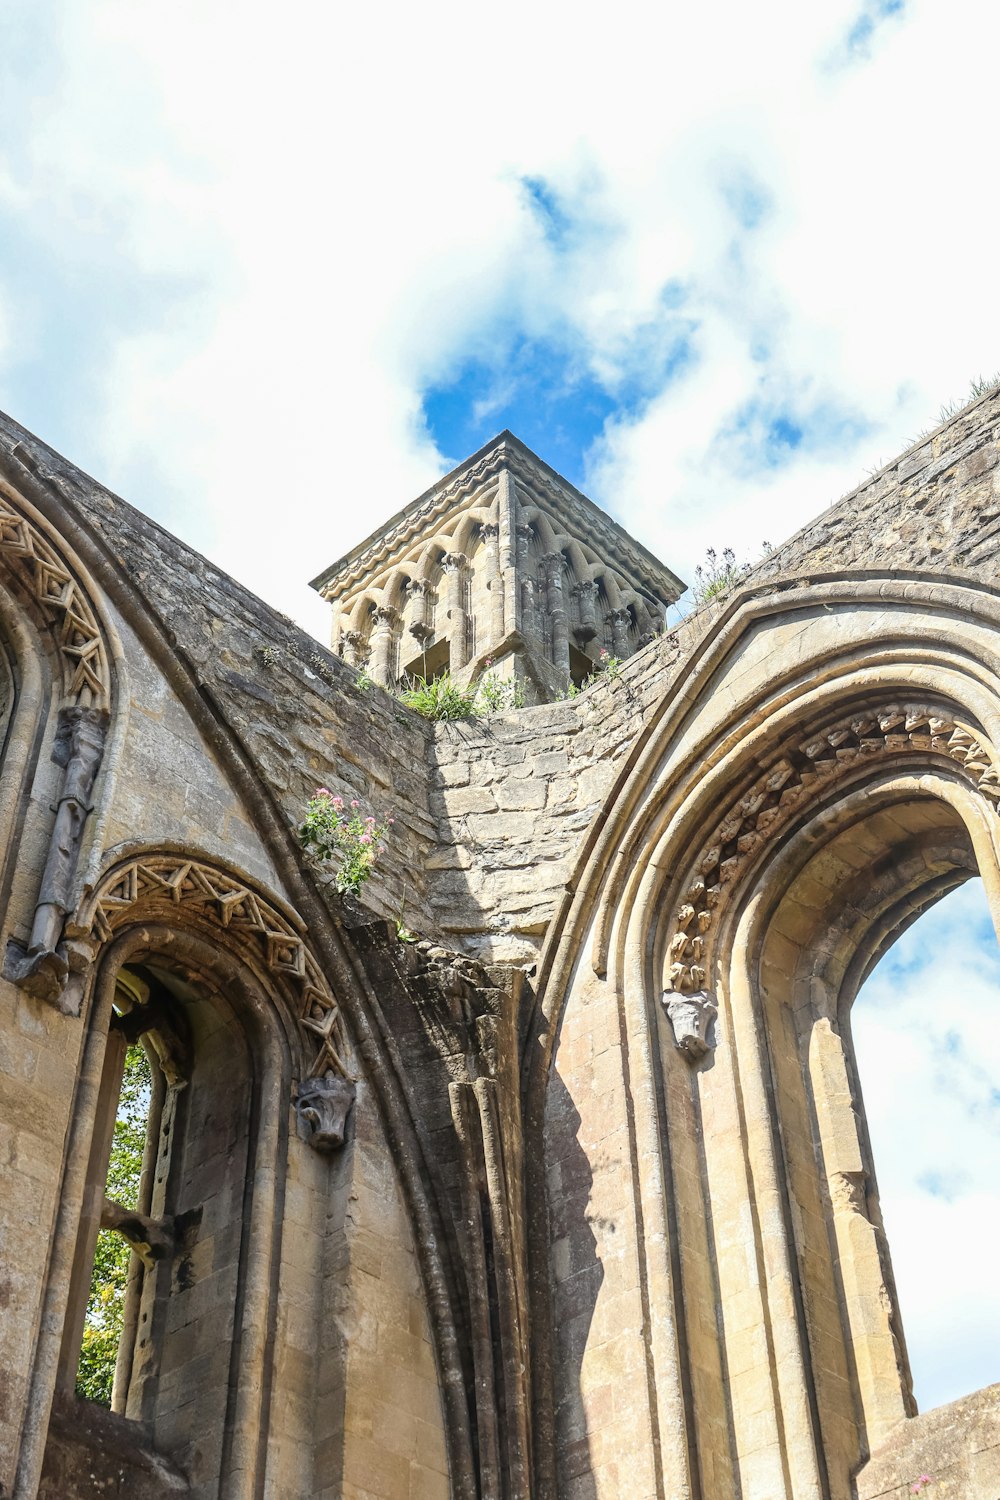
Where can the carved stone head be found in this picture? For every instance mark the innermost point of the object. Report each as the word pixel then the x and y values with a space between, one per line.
pixel 691 1017
pixel 322 1105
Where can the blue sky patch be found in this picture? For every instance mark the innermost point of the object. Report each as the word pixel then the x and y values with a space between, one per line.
pixel 748 201
pixel 871 18
pixel 556 410
pixel 551 398
pixel 548 210
pixel 765 434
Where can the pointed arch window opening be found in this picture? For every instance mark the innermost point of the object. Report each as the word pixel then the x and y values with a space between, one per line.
pixel 125 1235
pixel 925 1029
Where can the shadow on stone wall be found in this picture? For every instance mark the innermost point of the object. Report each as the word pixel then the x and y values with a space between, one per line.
pixel 577 1278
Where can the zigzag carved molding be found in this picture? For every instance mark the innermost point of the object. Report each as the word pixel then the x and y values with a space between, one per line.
pixel 784 787
pixel 166 882
pixel 48 577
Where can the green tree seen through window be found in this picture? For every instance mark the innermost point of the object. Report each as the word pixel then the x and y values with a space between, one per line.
pixel 102 1329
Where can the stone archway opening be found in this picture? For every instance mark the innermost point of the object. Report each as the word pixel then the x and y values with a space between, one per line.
pixel 838 893
pixel 930 1008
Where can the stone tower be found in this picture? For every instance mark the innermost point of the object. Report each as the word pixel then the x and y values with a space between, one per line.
pixel 503 561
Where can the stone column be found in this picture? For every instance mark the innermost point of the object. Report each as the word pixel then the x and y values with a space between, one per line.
pixel 491 540
pixel 455 564
pixel 355 650
pixel 621 622
pixel 418 613
pixel 553 563
pixel 382 665
pixel 510 550
pixel 78 748
pixel 527 611
pixel 585 595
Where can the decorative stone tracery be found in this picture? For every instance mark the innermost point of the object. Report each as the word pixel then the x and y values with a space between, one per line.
pixel 228 902
pixel 45 572
pixel 784 785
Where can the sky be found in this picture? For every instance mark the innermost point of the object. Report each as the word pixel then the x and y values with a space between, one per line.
pixel 268 272
pixel 926 1028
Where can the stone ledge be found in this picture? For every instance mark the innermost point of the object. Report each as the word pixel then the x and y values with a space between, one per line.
pixel 957 1445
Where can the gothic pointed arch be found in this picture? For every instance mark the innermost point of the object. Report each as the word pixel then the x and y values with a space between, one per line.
pixel 167 885
pixel 61 593
pixel 784 814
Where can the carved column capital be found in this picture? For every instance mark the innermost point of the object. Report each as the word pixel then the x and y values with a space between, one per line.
pixel 454 562
pixel 584 590
pixel 355 648
pixel 384 614
pixel 490 532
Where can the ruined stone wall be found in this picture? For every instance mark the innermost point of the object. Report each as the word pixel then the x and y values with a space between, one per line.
pixel 513 799
pixel 657 1174
pixel 937 506
pixel 199 669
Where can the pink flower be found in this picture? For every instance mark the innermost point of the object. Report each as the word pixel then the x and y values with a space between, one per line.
pixel 603 653
pixel 366 838
pixel 321 791
pixel 370 822
pixel 380 849
pixel 390 820
pixel 355 804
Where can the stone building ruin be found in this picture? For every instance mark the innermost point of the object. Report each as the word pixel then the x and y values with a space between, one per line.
pixel 571 1197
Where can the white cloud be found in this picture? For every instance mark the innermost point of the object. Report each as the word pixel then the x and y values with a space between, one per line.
pixel 327 206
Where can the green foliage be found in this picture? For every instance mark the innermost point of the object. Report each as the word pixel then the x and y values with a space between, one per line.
pixel 439 698
pixel 102 1327
pixel 717 575
pixel 496 694
pixel 606 667
pixel 403 933
pixel 339 834
pixel 363 682
pixel 980 387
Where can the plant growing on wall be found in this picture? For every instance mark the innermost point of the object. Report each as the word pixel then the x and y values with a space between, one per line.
pixel 606 667
pixel 717 574
pixel 335 832
pixel 102 1329
pixel 439 697
pixel 497 695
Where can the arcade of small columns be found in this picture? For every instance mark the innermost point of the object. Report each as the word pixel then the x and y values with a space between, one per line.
pixel 500 568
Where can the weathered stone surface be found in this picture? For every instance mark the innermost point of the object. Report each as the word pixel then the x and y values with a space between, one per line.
pixel 558 1249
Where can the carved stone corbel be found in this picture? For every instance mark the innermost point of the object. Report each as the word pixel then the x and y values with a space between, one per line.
pixel 151 1239
pixel 79 745
pixel 322 1106
pixel 691 1017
